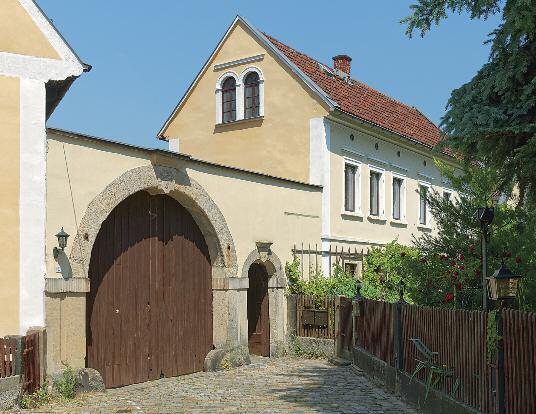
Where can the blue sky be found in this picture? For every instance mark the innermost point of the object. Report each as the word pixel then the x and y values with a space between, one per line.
pixel 145 53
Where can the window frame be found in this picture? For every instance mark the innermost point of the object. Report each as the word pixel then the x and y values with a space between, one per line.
pixel 402 218
pixel 357 188
pixel 427 223
pixel 381 193
pixel 223 92
pixel 255 99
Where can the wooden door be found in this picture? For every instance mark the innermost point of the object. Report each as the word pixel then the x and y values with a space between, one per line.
pixel 149 311
pixel 258 311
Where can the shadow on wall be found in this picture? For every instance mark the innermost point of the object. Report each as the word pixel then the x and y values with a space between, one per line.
pixel 65 265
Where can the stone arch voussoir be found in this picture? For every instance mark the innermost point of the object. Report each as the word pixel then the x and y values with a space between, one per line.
pixel 157 180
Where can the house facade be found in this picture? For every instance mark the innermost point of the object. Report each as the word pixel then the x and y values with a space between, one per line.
pixel 177 256
pixel 36 69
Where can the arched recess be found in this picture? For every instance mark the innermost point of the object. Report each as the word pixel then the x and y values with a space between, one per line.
pixel 277 282
pixel 158 180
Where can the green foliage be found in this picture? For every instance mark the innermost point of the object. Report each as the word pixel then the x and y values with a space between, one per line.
pixel 491 337
pixel 39 398
pixel 492 118
pixel 457 241
pixel 318 286
pixel 66 385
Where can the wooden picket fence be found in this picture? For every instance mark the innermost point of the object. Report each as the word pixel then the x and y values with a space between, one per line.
pixel 8 357
pixel 519 335
pixel 22 356
pixel 461 341
pixel 313 320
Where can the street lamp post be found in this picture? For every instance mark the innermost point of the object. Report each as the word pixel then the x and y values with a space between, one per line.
pixel 485 216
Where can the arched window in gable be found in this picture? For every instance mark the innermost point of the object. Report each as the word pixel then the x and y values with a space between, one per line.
pixel 251 95
pixel 228 106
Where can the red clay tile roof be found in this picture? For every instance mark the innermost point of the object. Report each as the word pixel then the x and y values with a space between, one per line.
pixel 364 102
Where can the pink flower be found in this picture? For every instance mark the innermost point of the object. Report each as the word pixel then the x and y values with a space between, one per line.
pixel 462 257
pixel 458 286
pixel 462 267
pixel 455 275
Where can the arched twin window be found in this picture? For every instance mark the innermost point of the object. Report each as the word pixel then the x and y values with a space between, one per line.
pixel 239 98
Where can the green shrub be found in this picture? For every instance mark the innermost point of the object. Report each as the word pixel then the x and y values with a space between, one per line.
pixel 37 399
pixel 66 385
pixel 318 286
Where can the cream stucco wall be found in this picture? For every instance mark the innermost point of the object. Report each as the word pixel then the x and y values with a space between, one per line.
pixel 255 208
pixel 278 144
pixel 9 206
pixel 363 230
pixel 19 34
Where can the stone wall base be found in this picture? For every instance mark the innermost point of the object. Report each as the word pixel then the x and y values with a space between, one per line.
pixel 302 346
pixel 411 391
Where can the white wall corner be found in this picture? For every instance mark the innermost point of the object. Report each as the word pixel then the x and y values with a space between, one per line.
pixel 32 214
pixel 173 144
pixel 317 138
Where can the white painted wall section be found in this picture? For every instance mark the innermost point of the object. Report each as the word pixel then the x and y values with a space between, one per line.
pixel 32 203
pixel 174 144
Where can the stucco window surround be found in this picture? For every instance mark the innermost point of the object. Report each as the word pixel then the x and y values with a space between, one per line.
pixel 381 194
pixel 243 75
pixel 219 97
pixel 239 79
pixel 423 210
pixel 277 283
pixel 357 211
pixel 402 198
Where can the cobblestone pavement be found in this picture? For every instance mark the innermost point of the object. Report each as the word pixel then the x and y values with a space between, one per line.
pixel 281 385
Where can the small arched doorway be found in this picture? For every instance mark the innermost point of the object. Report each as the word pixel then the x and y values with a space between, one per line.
pixel 149 310
pixel 258 311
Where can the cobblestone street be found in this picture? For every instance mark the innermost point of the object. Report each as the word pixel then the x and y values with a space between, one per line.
pixel 281 385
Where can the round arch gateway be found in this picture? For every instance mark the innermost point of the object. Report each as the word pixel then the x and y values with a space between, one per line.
pixel 149 311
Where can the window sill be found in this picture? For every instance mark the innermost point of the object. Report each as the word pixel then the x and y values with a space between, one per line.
pixel 424 227
pixel 377 219
pixel 401 223
pixel 353 214
pixel 240 121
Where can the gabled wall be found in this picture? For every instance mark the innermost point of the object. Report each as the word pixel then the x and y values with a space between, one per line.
pixel 278 144
pixel 19 34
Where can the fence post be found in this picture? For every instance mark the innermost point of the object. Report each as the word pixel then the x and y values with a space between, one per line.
pixel 399 345
pixel 338 342
pixel 501 394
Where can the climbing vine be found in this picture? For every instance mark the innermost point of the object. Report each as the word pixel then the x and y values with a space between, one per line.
pixel 492 338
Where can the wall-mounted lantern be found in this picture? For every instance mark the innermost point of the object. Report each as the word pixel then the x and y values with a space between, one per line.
pixel 62 237
pixel 503 284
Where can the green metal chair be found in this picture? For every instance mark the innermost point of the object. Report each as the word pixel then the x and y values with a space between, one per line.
pixel 427 359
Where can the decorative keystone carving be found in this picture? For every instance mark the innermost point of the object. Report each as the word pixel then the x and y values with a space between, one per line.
pixel 263 247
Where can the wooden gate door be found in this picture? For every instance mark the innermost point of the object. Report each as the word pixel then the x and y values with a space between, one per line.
pixel 149 311
pixel 258 311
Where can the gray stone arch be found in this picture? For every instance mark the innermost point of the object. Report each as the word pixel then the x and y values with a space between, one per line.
pixel 277 283
pixel 157 180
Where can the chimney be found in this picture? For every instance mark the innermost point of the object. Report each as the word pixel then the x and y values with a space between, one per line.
pixel 342 63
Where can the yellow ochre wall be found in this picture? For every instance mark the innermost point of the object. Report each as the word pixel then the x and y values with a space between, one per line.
pixel 20 35
pixel 9 207
pixel 277 145
pixel 256 208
